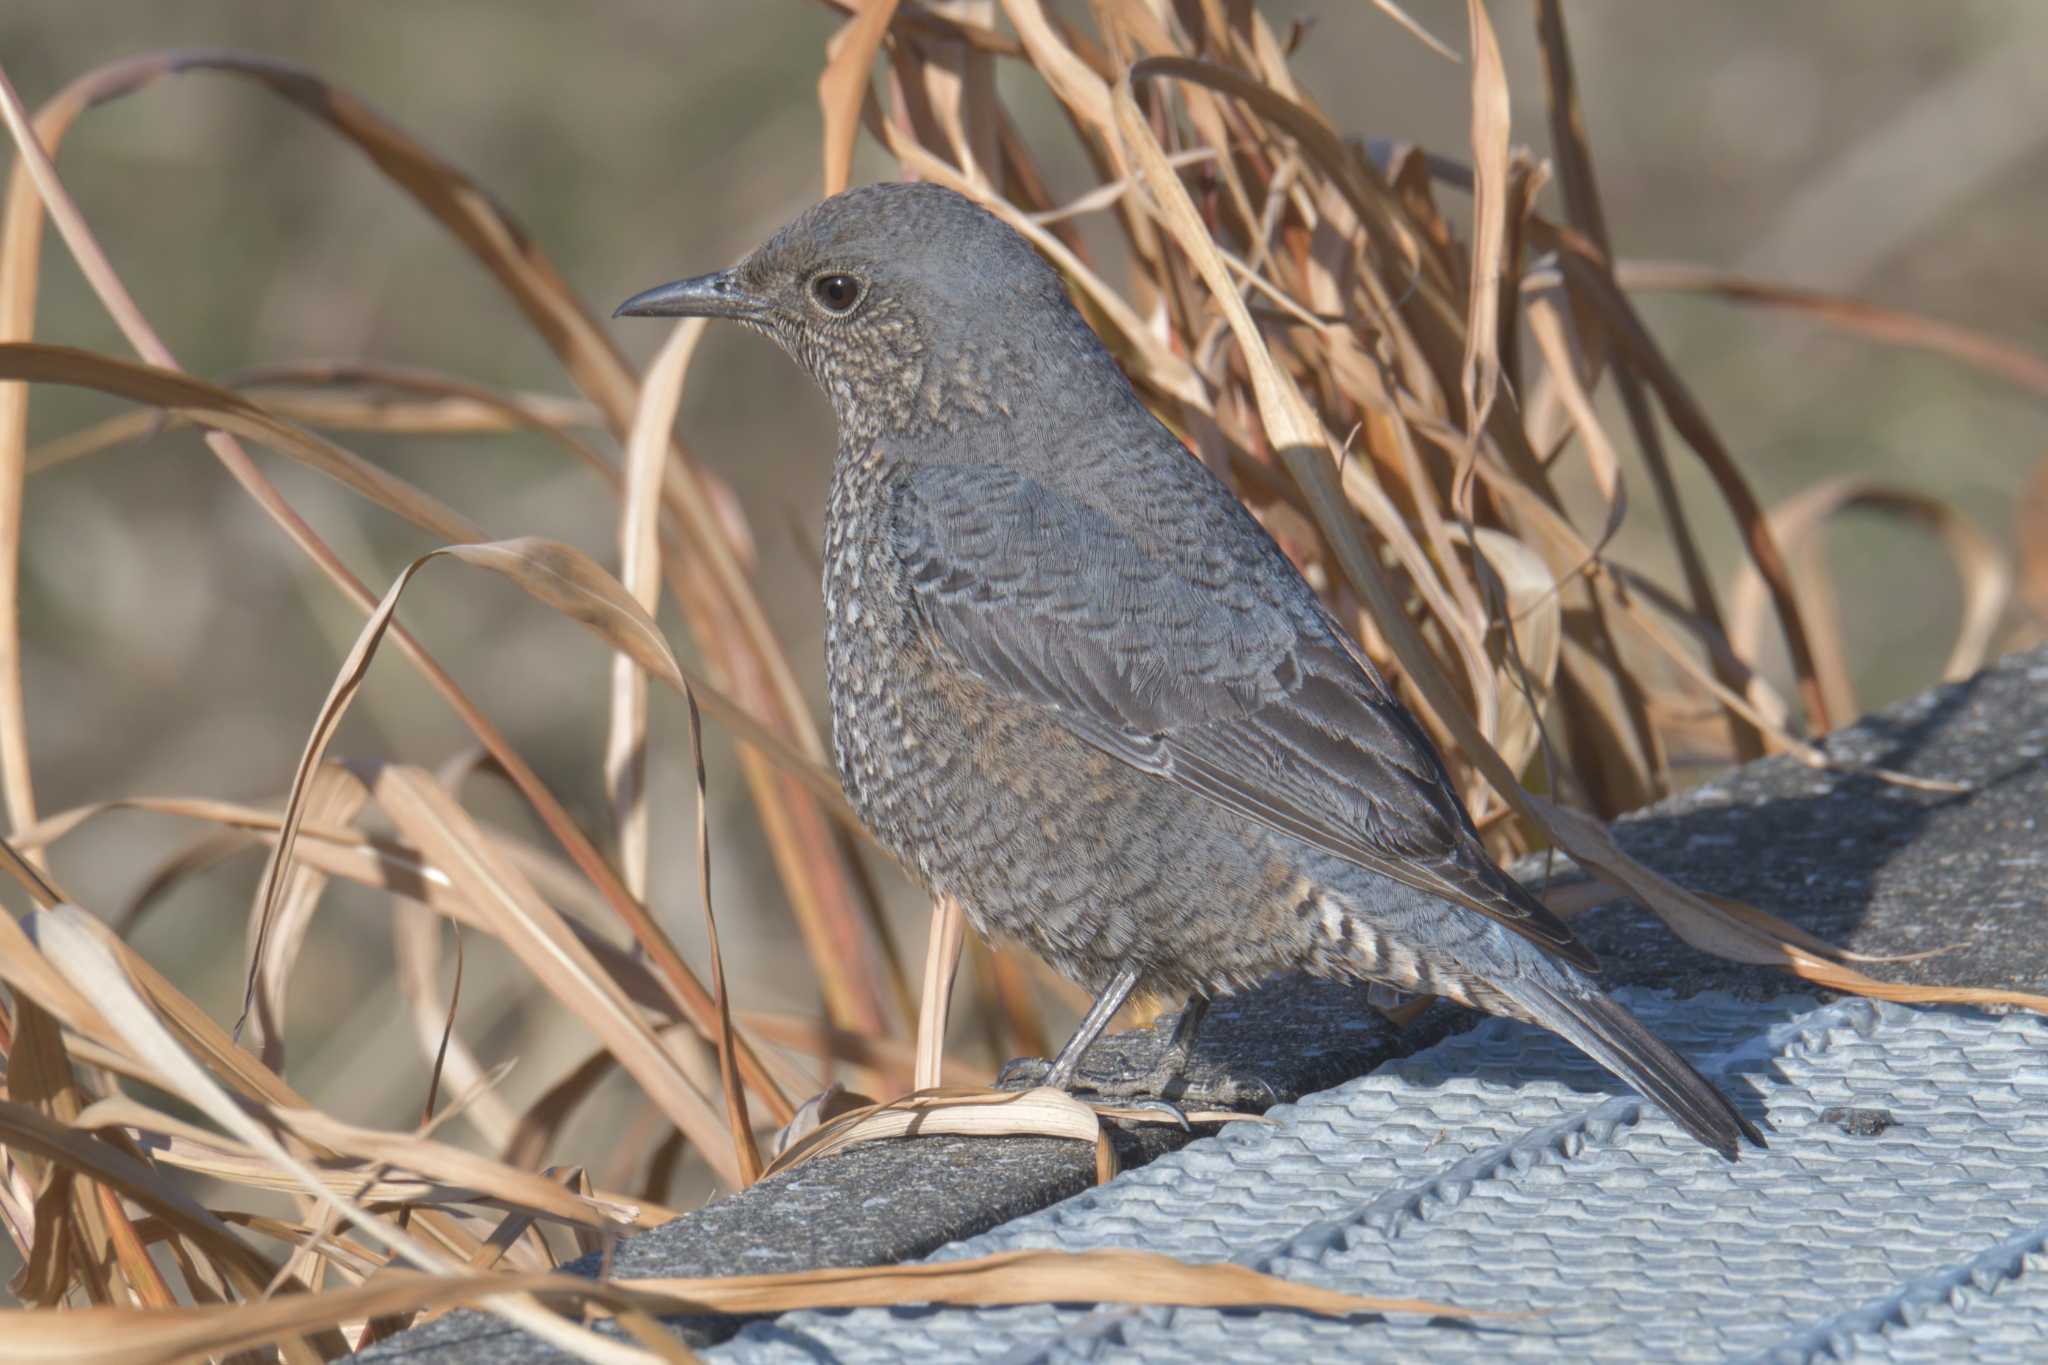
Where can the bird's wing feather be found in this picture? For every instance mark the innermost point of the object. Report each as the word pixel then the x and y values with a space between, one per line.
pixel 1212 667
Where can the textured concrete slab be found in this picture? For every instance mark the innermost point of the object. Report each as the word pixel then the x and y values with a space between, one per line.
pixel 1876 867
pixel 1501 1170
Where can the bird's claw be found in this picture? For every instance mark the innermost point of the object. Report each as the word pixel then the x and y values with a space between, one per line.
pixel 1023 1073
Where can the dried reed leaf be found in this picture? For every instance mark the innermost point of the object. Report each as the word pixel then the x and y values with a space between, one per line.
pixel 1749 935
pixel 843 86
pixel 542 940
pixel 1076 84
pixel 1982 573
pixel 828 1104
pixel 19 261
pixel 375 1166
pixel 595 365
pixel 1892 326
pixel 416 948
pixel 555 574
pixel 745 1153
pixel 560 577
pixel 941 967
pixel 1532 611
pixel 77 946
pixel 1107 1275
pixel 1416 30
pixel 1644 357
pixel 1303 443
pixel 31 1131
pixel 625 757
pixel 222 410
pixel 334 797
pixel 1479 373
pixel 1111 1275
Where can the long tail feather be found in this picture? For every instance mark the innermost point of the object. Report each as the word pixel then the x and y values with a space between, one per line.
pixel 1616 1039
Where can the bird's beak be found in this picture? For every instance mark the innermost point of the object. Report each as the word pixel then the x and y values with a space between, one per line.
pixel 706 296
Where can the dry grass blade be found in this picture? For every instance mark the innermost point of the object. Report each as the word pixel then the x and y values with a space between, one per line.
pixel 625 755
pixel 416 948
pixel 377 1166
pixel 2011 363
pixel 1532 640
pixel 2030 529
pixel 934 1001
pixel 30 1131
pixel 566 580
pixel 1479 374
pixel 1110 1275
pixel 941 967
pixel 745 1152
pixel 1982 572
pixel 1306 446
pixel 111 1337
pixel 1645 358
pixel 528 925
pixel 843 86
pixel 223 410
pixel 334 798
pixel 1416 30
pixel 1750 935
pixel 554 574
pixel 73 943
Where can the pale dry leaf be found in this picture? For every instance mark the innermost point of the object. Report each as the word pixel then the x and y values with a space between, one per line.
pixel 843 86
pixel 625 755
pixel 1479 375
pixel 1043 1112
pixel 941 967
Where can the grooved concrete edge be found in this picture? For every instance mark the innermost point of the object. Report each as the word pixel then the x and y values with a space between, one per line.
pixel 1872 867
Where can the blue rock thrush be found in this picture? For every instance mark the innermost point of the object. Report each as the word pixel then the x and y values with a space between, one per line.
pixel 1077 686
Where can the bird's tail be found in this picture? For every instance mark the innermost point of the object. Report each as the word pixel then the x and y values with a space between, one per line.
pixel 1616 1039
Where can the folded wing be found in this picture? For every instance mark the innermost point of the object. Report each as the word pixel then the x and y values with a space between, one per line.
pixel 1179 650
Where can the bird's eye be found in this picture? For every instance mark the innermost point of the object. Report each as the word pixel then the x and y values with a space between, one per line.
pixel 836 293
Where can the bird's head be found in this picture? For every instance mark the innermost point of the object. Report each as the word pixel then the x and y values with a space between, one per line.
pixel 910 304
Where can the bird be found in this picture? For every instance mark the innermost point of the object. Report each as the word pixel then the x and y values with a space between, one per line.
pixel 1077 686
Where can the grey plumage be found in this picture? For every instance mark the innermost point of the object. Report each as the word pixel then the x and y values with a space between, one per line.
pixel 1075 684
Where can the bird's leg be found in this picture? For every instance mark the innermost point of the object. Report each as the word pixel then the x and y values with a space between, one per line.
pixel 1061 1075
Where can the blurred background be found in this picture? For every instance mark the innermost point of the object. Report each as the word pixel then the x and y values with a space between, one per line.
pixel 177 644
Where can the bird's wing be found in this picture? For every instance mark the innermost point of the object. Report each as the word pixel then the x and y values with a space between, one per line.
pixel 1210 666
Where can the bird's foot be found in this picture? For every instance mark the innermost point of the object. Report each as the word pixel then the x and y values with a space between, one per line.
pixel 1028 1073
pixel 1023 1073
